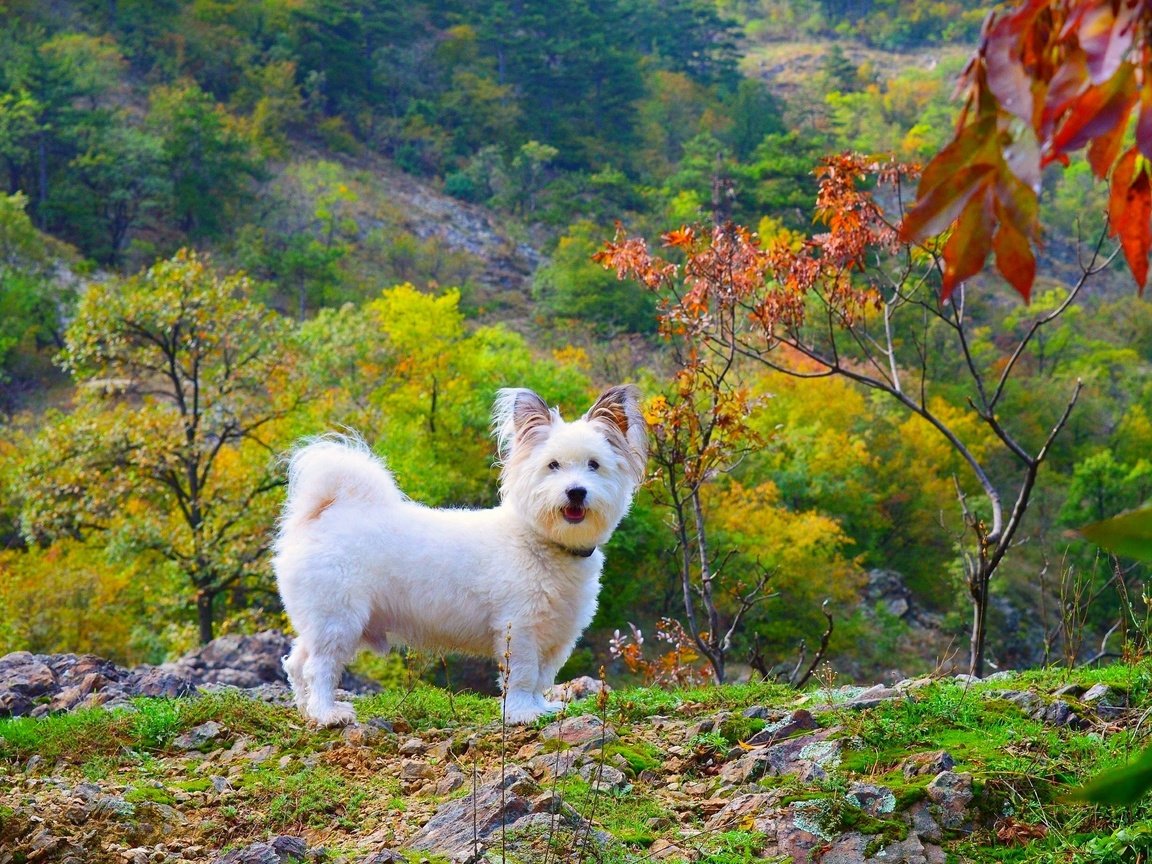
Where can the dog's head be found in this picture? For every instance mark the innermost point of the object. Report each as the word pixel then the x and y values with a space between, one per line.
pixel 572 481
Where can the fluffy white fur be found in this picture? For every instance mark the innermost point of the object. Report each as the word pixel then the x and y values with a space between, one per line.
pixel 357 563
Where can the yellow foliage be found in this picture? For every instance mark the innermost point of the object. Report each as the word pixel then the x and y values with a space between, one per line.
pixel 67 597
pixel 572 356
pixel 806 549
pixel 772 230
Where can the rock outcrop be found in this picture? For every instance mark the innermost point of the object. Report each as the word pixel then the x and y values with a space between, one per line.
pixel 38 684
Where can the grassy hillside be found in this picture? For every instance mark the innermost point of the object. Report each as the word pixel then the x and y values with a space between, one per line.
pixel 928 770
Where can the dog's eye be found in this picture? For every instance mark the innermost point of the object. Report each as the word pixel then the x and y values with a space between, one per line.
pixel 593 465
pixel 553 465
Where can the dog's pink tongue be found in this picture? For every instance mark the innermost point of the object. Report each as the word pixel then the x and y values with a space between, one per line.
pixel 574 514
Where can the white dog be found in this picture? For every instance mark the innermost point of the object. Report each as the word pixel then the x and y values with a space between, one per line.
pixel 358 563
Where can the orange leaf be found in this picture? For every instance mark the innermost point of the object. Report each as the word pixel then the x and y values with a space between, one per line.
pixel 1104 149
pixel 973 144
pixel 1006 76
pixel 1144 123
pixel 1014 258
pixel 1096 112
pixel 944 203
pixel 1105 34
pixel 1130 212
pixel 968 246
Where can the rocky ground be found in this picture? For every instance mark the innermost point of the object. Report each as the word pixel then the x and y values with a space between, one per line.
pixel 212 764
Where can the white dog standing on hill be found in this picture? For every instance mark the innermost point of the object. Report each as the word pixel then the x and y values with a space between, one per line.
pixel 358 563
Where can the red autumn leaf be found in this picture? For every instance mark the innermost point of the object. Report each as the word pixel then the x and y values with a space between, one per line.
pixel 968 246
pixel 1014 258
pixel 1069 80
pixel 1104 149
pixel 1130 212
pixel 1105 34
pixel 942 204
pixel 975 143
pixel 1097 111
pixel 681 238
pixel 1006 76
pixel 1144 123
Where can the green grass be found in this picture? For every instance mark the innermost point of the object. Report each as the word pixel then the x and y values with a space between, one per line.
pixel 428 707
pixel 622 814
pixel 312 798
pixel 100 739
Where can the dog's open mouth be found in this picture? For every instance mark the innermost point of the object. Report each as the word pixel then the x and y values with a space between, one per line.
pixel 573 513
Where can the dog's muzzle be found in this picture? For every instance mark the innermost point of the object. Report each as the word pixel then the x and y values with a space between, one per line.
pixel 575 510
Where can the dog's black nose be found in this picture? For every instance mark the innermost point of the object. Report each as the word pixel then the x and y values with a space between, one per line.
pixel 577 494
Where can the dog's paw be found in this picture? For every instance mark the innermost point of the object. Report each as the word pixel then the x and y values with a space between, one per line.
pixel 340 714
pixel 522 708
pixel 553 707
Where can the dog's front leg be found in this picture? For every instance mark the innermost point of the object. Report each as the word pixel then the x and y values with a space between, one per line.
pixel 550 665
pixel 520 674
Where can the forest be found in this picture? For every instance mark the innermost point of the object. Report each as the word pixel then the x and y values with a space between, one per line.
pixel 210 249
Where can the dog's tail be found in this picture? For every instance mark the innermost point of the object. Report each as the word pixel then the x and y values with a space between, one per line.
pixel 333 468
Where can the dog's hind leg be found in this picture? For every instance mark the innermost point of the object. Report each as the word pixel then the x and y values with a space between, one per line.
pixel 294 668
pixel 321 673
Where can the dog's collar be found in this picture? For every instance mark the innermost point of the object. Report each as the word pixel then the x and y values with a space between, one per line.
pixel 576 553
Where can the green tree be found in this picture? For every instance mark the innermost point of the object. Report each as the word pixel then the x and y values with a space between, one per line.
pixel 405 368
pixel 573 72
pixel 119 185
pixel 33 298
pixel 571 285
pixel 302 240
pixel 807 301
pixel 205 158
pixel 170 451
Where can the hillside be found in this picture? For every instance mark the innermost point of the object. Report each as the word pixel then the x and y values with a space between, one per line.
pixel 915 771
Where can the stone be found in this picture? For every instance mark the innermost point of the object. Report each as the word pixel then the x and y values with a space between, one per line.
pixel 248 661
pixel 412 747
pixel 37 684
pixel 666 850
pixel 587 732
pixel 559 763
pixel 760 712
pixel 452 780
pixel 152 681
pixel 872 697
pixel 886 591
pixel 386 856
pixel 708 724
pixel 577 688
pixel 604 777
pixel 412 769
pixel 459 828
pixel 23 678
pixel 876 801
pixel 744 810
pixel 278 850
pixel 922 822
pixel 920 764
pixel 1096 693
pixel 1058 713
pixel 806 756
pixel 951 793
pixel 198 736
pixel 1106 703
pixel 787 726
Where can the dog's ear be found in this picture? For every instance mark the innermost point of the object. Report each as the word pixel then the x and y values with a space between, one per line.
pixel 519 416
pixel 618 412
